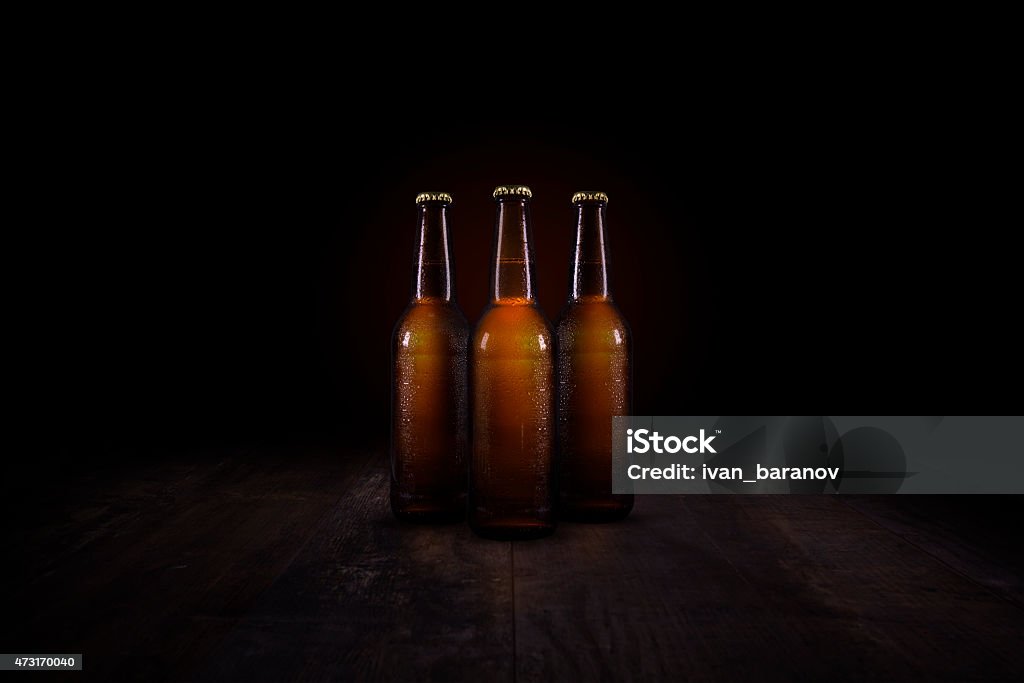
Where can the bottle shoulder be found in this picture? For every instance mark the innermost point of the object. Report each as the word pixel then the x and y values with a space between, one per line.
pixel 592 314
pixel 597 324
pixel 513 329
pixel 530 318
pixel 438 313
pixel 425 326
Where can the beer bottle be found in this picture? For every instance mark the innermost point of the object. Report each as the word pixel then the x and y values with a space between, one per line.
pixel 429 392
pixel 594 374
pixel 511 494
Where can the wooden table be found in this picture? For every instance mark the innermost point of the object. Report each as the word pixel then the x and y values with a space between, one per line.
pixel 284 563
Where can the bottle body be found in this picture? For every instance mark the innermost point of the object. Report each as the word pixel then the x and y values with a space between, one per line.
pixel 594 374
pixel 430 408
pixel 594 385
pixel 512 379
pixel 512 467
pixel 429 383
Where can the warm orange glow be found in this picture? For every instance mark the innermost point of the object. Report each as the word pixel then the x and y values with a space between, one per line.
pixel 515 301
pixel 513 383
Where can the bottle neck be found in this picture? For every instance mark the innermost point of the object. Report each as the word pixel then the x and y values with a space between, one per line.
pixel 433 280
pixel 590 258
pixel 512 278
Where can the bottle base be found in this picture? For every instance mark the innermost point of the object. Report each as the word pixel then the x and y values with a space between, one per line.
pixel 512 528
pixel 596 510
pixel 429 513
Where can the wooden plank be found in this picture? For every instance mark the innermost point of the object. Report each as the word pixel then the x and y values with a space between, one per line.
pixel 887 610
pixel 752 588
pixel 973 535
pixel 143 571
pixel 285 565
pixel 370 599
pixel 619 601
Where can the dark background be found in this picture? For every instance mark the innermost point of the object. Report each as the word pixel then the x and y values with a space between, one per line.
pixel 224 259
pixel 214 255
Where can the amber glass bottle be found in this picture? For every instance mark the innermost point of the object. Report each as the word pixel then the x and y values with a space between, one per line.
pixel 594 374
pixel 511 494
pixel 429 383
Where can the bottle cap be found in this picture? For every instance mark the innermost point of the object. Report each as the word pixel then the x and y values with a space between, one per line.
pixel 433 197
pixel 512 191
pixel 589 197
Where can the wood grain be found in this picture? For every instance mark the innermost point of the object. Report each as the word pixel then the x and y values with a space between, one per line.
pixel 280 564
pixel 752 588
pixel 144 569
pixel 954 533
pixel 369 599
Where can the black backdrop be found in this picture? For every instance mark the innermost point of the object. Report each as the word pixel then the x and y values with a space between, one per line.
pixel 226 263
pixel 213 244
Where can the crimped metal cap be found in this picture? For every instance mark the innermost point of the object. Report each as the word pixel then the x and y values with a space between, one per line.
pixel 589 197
pixel 433 197
pixel 512 191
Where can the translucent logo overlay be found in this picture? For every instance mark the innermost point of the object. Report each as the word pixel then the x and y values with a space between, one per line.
pixel 835 454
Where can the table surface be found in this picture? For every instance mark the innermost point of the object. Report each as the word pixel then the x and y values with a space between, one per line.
pixel 284 563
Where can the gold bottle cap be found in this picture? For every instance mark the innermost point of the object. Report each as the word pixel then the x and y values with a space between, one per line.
pixel 433 197
pixel 590 197
pixel 512 191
